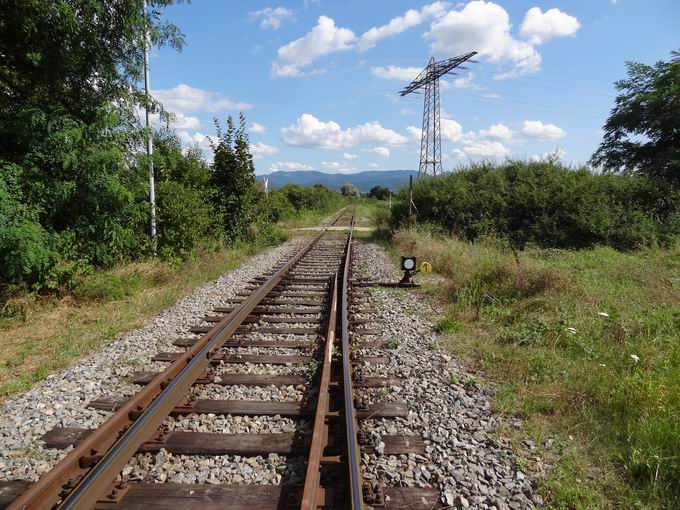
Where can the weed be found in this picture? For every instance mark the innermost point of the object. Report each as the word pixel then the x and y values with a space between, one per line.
pixel 447 325
pixel 382 393
pixel 392 342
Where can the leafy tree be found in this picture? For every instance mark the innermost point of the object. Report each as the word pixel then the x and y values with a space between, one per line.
pixel 349 190
pixel 642 133
pixel 74 56
pixel 233 177
pixel 68 132
pixel 379 192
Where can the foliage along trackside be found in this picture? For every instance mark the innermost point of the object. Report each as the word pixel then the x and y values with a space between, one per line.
pixel 546 204
pixel 73 169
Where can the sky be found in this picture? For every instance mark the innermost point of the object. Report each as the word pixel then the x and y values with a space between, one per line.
pixel 318 80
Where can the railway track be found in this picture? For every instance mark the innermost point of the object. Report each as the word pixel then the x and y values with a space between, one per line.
pixel 305 313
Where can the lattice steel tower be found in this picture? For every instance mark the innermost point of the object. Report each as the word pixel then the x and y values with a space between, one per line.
pixel 431 138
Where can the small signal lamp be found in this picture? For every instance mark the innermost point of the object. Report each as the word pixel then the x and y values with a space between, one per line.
pixel 408 263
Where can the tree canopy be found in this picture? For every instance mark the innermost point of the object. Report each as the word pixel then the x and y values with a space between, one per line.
pixel 349 190
pixel 642 134
pixel 379 192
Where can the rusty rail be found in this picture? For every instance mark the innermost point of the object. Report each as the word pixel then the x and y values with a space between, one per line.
pixel 311 493
pixel 351 428
pixel 88 472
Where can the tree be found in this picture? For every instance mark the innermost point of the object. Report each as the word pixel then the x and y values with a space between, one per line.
pixel 642 134
pixel 349 190
pixel 379 192
pixel 233 178
pixel 68 132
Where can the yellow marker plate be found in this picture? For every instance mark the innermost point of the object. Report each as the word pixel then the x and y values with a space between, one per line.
pixel 425 267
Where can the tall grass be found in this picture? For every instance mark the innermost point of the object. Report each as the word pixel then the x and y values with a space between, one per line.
pixel 586 346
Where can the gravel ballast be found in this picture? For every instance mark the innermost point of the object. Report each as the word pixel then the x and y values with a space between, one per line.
pixel 61 399
pixel 464 458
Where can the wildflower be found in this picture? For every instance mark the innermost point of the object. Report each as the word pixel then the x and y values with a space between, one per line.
pixel 603 314
pixel 635 358
pixel 572 330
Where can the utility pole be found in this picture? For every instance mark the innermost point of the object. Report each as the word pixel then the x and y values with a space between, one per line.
pixel 431 139
pixel 149 139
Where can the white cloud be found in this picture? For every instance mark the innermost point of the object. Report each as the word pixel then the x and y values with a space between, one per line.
pixel 407 111
pixel 257 128
pixel 493 96
pixel 415 133
pixel 373 165
pixel 260 150
pixel 338 166
pixel 540 27
pixel 203 141
pixel 383 152
pixel 396 72
pixel 288 165
pixel 324 38
pixel 499 132
pixel 271 17
pixel 558 154
pixel 486 149
pixel 308 131
pixel 185 122
pixel 536 129
pixel 463 82
pixel 452 131
pixel 185 98
pixel 485 27
pixel 349 156
pixel 399 24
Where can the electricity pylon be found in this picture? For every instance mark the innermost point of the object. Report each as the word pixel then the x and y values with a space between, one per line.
pixel 431 137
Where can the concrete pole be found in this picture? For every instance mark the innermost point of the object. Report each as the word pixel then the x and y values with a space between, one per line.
pixel 149 139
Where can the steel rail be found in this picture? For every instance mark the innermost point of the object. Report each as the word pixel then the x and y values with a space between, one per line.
pixel 310 494
pixel 100 458
pixel 351 427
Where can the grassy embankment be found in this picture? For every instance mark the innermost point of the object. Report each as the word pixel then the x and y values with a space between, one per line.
pixel 51 332
pixel 585 346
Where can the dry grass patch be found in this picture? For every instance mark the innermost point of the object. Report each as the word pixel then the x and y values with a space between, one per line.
pixel 49 334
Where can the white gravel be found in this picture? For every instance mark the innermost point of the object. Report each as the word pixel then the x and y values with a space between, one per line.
pixel 464 459
pixel 61 400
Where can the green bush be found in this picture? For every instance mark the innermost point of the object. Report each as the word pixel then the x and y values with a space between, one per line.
pixel 26 249
pixel 546 204
pixel 292 198
pixel 184 219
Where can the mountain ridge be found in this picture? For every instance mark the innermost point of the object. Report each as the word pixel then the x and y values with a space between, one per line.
pixel 364 181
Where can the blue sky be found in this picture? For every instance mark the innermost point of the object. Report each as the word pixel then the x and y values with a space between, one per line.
pixel 318 80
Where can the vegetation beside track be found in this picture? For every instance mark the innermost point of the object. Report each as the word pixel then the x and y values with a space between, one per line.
pixel 584 346
pixel 48 333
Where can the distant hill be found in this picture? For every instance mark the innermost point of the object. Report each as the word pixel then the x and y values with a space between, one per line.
pixel 364 181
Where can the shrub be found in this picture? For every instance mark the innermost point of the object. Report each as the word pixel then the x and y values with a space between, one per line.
pixel 546 204
pixel 292 198
pixel 184 219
